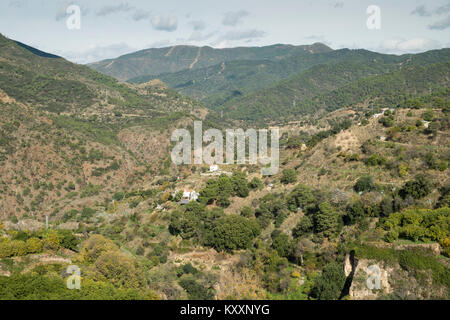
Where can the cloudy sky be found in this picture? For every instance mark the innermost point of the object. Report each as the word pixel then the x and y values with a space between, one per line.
pixel 110 28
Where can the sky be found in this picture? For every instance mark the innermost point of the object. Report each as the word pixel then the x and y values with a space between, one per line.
pixel 110 28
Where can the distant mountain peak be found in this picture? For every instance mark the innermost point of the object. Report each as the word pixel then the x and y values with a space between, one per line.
pixel 156 61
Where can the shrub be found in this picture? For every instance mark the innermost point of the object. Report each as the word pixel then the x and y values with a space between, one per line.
pixel 326 219
pixel 288 176
pixel 354 212
pixel 330 284
pixel 247 212
pixel 51 240
pixel 364 184
pixel 256 184
pixel 195 290
pixel 304 226
pixel 119 269
pixel 301 197
pixel 34 245
pixel 417 188
pixel 281 243
pixel 95 246
pixel 233 232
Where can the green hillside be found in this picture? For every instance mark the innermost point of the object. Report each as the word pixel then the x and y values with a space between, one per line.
pixel 365 179
pixel 214 84
pixel 53 84
pixel 156 61
pixel 332 86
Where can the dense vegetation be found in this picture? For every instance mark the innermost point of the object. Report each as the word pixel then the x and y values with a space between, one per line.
pixel 363 181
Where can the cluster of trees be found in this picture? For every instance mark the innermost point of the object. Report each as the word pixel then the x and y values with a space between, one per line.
pixel 51 287
pixel 395 201
pixel 419 225
pixel 272 208
pixel 22 242
pixel 106 263
pixel 322 219
pixel 417 188
pixel 219 190
pixel 213 228
pixel 197 284
pixel 330 284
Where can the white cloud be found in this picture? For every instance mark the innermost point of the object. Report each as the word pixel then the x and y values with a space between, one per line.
pixel 234 18
pixel 421 11
pixel 140 15
pixel 107 10
pixel 165 23
pixel 441 24
pixel 408 46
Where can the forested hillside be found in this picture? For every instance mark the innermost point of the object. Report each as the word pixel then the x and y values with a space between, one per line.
pixel 177 58
pixel 363 182
pixel 330 87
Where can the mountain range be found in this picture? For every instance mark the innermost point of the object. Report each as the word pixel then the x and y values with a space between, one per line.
pixel 363 178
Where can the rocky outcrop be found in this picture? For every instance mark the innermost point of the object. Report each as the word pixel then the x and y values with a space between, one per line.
pixel 370 280
pixel 24 225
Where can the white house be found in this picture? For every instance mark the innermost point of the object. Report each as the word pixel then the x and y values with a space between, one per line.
pixel 214 168
pixel 189 196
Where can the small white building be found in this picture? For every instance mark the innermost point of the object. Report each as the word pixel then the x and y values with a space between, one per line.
pixel 189 196
pixel 213 168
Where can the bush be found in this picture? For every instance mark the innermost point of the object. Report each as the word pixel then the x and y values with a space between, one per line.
pixel 355 212
pixel 375 160
pixel 305 226
pixel 330 284
pixel 256 184
pixel 195 290
pixel 288 176
pixel 271 206
pixel 95 246
pixel 247 212
pixel 282 244
pixel 34 245
pixel 233 233
pixel 119 269
pixel 68 240
pixel 417 188
pixel 364 184
pixel 419 224
pixel 326 220
pixel 301 197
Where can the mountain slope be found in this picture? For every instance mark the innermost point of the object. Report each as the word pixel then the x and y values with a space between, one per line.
pixel 222 80
pixel 217 84
pixel 174 59
pixel 70 135
pixel 54 84
pixel 333 86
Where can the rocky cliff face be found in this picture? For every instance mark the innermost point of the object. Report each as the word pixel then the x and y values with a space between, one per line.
pixel 371 280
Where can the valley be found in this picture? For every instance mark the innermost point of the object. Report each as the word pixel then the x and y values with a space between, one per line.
pixel 363 179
